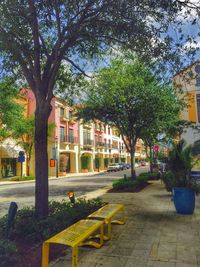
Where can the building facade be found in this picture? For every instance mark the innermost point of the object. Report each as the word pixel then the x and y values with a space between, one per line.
pixel 73 146
pixel 189 81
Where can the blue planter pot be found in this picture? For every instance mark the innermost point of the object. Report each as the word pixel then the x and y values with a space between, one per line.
pixel 184 200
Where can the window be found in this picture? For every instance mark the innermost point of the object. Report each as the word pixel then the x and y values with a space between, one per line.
pixel 104 128
pixel 71 135
pixel 62 134
pixel 62 112
pixel 108 130
pixel 198 81
pixel 86 137
pixel 198 107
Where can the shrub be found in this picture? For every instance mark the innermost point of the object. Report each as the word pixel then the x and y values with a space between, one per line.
pixel 169 180
pixel 129 183
pixel 124 184
pixel 106 161
pixel 85 162
pixel 97 163
pixel 8 253
pixel 61 215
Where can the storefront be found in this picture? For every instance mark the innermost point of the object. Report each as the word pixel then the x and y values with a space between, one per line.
pixel 8 167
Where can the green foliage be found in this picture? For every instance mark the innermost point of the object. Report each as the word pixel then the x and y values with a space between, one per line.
pixel 85 160
pixel 8 253
pixel 61 215
pixel 151 175
pixel 169 180
pixel 180 163
pixel 97 163
pixel 127 95
pixel 10 110
pixel 22 178
pixel 127 184
pixel 106 162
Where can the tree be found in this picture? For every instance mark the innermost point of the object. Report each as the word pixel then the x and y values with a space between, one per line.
pixel 10 111
pixel 37 36
pixel 128 96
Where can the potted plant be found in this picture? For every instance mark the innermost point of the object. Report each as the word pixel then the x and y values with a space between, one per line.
pixel 179 166
pixel 84 163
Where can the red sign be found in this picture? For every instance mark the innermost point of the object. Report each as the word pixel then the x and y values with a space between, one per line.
pixel 115 155
pixel 52 163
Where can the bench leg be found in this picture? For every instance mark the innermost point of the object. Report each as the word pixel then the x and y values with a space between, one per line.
pixel 95 244
pixel 75 256
pixel 45 254
pixel 122 221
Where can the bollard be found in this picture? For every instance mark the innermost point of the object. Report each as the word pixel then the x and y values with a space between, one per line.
pixel 12 211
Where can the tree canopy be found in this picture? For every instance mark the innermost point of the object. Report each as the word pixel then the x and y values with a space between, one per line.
pixel 128 96
pixel 37 36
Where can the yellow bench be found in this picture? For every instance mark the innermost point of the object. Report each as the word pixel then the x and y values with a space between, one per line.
pixel 75 236
pixel 107 213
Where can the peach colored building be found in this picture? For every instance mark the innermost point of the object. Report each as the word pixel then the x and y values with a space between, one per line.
pixel 71 142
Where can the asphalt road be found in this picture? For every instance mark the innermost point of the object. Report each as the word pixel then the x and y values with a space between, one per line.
pixel 23 193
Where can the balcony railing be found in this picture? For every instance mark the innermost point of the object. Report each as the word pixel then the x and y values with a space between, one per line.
pixel 69 139
pixel 107 145
pixel 97 143
pixel 88 142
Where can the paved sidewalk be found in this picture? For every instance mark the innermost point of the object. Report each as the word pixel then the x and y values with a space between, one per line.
pixel 154 235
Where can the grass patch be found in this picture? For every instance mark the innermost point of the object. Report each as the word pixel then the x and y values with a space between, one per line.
pixel 22 178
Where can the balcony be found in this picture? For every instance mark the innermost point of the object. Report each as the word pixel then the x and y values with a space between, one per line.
pixel 107 146
pixel 99 144
pixel 88 142
pixel 63 118
pixel 69 139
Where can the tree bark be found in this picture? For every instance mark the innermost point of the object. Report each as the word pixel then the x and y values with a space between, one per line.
pixel 132 152
pixel 42 113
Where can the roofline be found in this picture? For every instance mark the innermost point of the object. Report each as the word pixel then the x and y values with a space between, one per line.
pixel 187 67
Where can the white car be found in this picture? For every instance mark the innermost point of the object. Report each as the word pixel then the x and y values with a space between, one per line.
pixel 114 167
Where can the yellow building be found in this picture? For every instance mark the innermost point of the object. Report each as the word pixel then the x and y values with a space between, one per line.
pixel 188 80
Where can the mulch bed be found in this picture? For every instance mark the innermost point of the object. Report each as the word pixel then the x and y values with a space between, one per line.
pixel 129 190
pixel 31 254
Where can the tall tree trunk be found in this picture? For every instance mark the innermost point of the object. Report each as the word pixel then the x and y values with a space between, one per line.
pixel 42 113
pixel 132 152
pixel 151 158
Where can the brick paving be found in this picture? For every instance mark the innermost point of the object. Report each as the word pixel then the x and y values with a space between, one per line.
pixel 153 236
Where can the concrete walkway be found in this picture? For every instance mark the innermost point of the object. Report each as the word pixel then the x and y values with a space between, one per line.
pixel 153 236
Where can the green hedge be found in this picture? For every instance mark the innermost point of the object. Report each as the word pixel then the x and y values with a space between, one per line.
pixel 129 183
pixel 85 160
pixel 29 228
pixel 97 163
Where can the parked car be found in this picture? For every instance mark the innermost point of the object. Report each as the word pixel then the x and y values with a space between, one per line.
pixel 123 166
pixel 114 167
pixel 143 163
pixel 128 165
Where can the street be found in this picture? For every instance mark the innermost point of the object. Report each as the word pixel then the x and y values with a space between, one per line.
pixel 23 193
